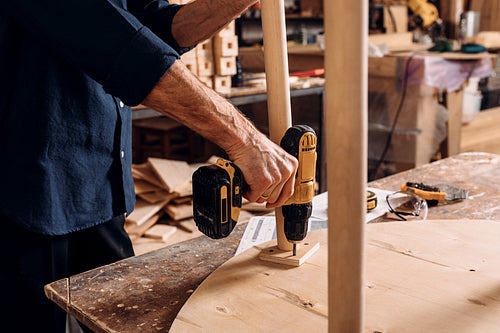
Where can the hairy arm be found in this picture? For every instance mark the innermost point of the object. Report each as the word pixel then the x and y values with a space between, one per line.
pixel 200 19
pixel 267 168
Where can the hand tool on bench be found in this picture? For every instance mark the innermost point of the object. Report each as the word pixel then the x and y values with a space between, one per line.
pixel 371 200
pixel 435 193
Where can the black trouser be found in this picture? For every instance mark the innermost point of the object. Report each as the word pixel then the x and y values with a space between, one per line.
pixel 31 260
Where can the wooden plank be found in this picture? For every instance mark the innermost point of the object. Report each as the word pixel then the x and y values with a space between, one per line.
pixel 454 103
pixel 144 172
pixel 144 210
pixel 155 197
pixel 396 40
pixel 142 186
pixel 346 109
pixel 179 212
pixel 160 231
pixel 143 293
pixel 437 276
pixel 136 231
pixel 172 174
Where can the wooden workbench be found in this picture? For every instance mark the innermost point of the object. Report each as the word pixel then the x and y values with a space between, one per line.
pixel 145 293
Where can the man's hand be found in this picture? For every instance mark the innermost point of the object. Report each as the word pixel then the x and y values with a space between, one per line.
pixel 268 170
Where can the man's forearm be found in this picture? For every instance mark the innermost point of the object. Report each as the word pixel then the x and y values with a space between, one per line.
pixel 268 169
pixel 200 19
pixel 181 96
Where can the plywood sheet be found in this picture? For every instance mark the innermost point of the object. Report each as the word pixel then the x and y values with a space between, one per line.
pixel 433 276
pixel 172 174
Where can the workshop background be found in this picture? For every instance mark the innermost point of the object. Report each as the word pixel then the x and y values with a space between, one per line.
pixel 426 101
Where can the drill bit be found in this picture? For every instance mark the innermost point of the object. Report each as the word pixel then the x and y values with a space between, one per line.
pixel 294 252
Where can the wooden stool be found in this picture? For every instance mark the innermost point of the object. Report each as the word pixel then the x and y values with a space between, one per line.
pixel 161 137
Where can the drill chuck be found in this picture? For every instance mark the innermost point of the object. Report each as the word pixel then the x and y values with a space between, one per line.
pixel 296 219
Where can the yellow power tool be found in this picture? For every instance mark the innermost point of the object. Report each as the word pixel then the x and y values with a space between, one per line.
pixel 300 141
pixel 218 189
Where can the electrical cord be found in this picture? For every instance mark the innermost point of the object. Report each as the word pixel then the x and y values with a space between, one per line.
pixel 395 121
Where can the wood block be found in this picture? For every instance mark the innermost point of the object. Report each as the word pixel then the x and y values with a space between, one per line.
pixel 304 251
pixel 222 84
pixel 179 212
pixel 225 66
pixel 205 66
pixel 225 46
pixel 182 200
pixel 144 172
pixel 228 30
pixel 191 63
pixel 158 196
pixel 143 211
pixel 185 189
pixel 171 173
pixel 160 231
pixel 135 231
pixel 207 80
pixel 142 186
pixel 204 49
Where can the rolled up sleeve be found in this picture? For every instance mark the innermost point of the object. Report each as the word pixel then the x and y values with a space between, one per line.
pixel 100 37
pixel 158 16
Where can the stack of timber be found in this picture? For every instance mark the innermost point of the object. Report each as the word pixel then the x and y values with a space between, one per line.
pixel 163 190
pixel 214 60
pixel 163 213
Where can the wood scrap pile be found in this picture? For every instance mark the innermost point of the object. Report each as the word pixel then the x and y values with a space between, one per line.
pixel 164 192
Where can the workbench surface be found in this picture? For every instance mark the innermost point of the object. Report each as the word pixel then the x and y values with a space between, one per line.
pixel 145 293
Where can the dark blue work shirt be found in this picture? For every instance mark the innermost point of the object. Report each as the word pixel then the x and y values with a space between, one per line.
pixel 68 70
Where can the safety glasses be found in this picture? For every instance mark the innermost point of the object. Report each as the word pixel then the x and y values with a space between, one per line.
pixel 407 206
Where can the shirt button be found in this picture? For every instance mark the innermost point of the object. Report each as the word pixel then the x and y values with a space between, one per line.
pixel 121 104
pixel 122 154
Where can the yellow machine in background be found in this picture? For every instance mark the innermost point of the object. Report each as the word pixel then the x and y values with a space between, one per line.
pixel 426 11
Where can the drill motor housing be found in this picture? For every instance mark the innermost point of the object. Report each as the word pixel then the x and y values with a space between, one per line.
pixel 300 141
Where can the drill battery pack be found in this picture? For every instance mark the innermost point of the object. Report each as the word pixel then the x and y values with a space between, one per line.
pixel 217 195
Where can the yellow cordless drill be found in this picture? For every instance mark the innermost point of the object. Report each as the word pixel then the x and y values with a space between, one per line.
pixel 218 189
pixel 300 141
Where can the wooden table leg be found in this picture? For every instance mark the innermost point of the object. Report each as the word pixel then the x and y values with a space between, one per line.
pixel 454 102
pixel 346 109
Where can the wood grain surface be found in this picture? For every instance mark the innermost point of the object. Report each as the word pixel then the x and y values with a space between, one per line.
pixel 433 276
pixel 173 272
